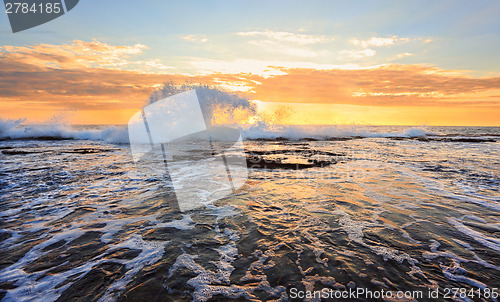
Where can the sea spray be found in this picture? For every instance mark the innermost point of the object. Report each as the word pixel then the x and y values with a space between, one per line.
pixel 220 108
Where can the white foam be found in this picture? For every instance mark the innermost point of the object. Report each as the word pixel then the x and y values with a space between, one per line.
pixel 434 253
pixel 457 273
pixel 13 129
pixel 208 283
pixel 29 286
pixel 151 252
pixel 490 242
pixel 263 130
pixel 186 223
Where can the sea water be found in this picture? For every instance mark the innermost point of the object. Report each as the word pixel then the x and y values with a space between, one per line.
pixel 399 208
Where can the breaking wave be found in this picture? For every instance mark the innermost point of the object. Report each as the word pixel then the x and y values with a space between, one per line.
pixel 16 130
pixel 11 129
pixel 229 109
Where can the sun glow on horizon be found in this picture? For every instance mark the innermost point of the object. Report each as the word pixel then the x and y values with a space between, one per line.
pixel 340 114
pixel 300 75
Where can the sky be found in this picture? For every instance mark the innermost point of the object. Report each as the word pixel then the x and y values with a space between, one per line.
pixel 327 62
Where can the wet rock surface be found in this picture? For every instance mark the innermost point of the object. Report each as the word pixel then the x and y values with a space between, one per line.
pixel 294 156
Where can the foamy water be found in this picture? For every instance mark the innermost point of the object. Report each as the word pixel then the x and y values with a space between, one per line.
pixel 15 130
pixel 404 208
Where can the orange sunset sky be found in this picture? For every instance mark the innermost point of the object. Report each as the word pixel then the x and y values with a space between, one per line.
pixel 328 63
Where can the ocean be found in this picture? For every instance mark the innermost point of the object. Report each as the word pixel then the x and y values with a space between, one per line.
pixel 342 208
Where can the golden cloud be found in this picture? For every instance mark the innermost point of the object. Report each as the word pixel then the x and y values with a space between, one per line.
pixel 93 76
pixel 77 54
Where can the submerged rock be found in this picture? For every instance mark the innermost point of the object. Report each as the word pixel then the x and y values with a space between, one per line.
pixel 291 159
